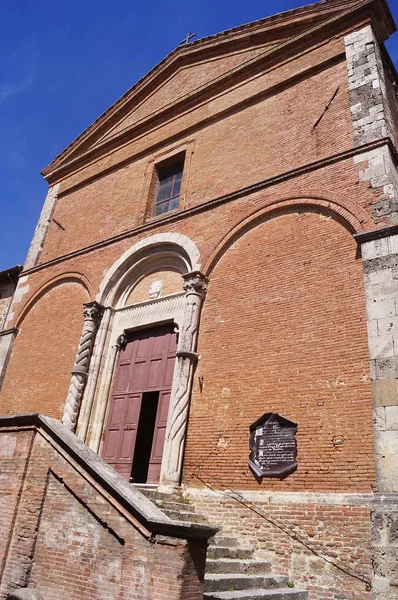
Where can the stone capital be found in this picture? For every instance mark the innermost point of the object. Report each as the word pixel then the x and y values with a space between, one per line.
pixel 93 311
pixel 195 283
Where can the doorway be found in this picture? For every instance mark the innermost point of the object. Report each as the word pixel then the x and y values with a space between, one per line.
pixel 135 433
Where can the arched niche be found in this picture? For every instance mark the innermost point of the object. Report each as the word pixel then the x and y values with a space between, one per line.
pixel 38 374
pixel 158 283
pixel 165 251
pixel 165 265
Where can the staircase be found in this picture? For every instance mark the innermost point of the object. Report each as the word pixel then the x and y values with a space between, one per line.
pixel 231 571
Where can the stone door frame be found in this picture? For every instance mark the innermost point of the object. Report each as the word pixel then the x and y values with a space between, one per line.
pixel 183 309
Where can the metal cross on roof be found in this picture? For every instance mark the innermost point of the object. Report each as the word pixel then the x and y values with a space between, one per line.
pixel 187 39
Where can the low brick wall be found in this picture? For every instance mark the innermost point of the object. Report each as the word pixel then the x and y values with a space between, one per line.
pixel 334 526
pixel 68 531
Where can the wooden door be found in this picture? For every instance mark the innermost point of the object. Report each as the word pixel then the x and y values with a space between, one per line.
pixel 145 365
pixel 155 461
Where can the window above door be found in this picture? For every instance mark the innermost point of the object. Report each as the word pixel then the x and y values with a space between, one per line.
pixel 168 191
pixel 167 184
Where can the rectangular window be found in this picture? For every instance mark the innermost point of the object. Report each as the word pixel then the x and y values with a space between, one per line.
pixel 169 178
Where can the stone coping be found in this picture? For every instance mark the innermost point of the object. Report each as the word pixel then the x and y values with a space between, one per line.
pixel 131 499
pixel 275 498
pixel 376 234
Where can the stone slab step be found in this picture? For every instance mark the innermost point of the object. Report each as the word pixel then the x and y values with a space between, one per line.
pixel 155 495
pixel 238 581
pixel 177 506
pixel 226 552
pixel 184 516
pixel 281 594
pixel 224 540
pixel 228 565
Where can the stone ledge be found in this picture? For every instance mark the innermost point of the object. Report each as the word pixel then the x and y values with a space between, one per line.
pixel 270 498
pixel 376 234
pixel 140 507
pixel 9 331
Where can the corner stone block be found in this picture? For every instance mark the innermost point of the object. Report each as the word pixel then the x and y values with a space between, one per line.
pixel 386 290
pixel 385 392
pixel 386 444
pixel 379 418
pixel 373 330
pixel 385 368
pixel 381 309
pixel 394 244
pixel 376 277
pixel 375 249
pixel 392 418
pixel 381 346
pixel 386 325
pixel 385 563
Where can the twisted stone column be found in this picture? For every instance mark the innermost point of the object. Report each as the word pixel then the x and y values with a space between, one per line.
pixel 92 312
pixel 195 286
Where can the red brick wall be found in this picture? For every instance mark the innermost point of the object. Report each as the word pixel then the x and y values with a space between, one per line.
pixel 14 452
pixel 260 139
pixel 44 353
pixel 337 182
pixel 283 330
pixel 70 541
pixel 339 532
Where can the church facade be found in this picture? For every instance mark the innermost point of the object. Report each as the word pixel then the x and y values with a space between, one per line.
pixel 222 244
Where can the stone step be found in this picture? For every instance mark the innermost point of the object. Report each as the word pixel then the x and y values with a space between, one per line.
pixel 177 506
pixel 184 516
pixel 281 594
pixel 226 552
pixel 227 565
pixel 223 540
pixel 155 495
pixel 225 583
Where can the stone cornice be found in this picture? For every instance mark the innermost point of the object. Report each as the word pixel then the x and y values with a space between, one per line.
pixel 376 234
pixel 337 16
pixel 214 202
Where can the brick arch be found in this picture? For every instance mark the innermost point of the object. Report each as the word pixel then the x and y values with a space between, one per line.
pixel 352 216
pixel 50 284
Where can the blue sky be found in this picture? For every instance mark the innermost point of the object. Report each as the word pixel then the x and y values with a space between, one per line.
pixel 63 63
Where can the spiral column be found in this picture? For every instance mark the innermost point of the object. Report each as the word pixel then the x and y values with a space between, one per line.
pixel 92 312
pixel 195 286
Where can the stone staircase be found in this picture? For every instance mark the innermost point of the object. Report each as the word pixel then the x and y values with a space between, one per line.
pixel 231 571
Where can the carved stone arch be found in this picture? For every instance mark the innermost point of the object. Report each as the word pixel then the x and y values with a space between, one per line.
pixel 174 249
pixel 353 217
pixel 164 258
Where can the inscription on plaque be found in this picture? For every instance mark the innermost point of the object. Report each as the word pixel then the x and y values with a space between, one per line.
pixel 273 446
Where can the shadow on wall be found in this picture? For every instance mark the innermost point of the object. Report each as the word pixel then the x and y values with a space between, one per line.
pixel 25 594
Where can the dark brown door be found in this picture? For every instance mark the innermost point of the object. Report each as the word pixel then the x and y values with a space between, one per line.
pixel 135 433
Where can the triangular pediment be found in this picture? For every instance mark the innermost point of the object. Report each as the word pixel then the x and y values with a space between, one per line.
pixel 190 71
pixel 185 81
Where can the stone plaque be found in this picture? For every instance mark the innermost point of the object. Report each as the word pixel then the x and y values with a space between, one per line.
pixel 273 446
